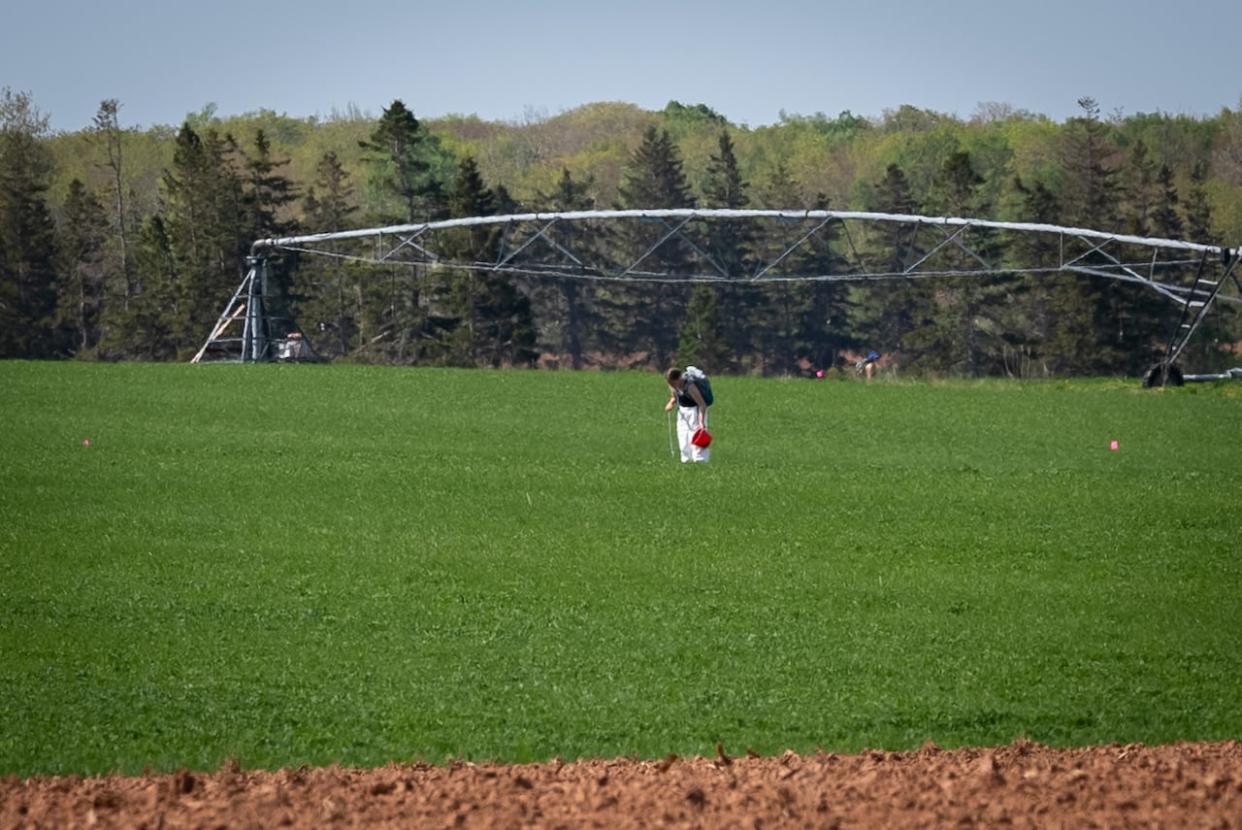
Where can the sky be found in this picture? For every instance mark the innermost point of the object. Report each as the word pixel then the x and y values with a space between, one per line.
pixel 515 60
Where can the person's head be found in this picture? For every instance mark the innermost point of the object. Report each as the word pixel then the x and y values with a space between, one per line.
pixel 674 378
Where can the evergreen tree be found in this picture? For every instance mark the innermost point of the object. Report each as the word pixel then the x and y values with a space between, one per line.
pixel 265 199
pixel 458 293
pixel 824 329
pixel 148 328
pixel 489 320
pixel 27 235
pixel 1212 346
pixel 82 269
pixel 1166 223
pixel 730 244
pixel 887 312
pixel 570 304
pixel 505 203
pixel 404 162
pixel 206 224
pixel 1030 324
pixel 958 331
pixel 654 179
pixel 780 191
pixel 774 323
pixel 268 193
pixel 1141 190
pixel 700 342
pixel 1087 312
pixel 1090 196
pixel 330 291
pixel 406 185
pixel 1198 210
pixel 108 134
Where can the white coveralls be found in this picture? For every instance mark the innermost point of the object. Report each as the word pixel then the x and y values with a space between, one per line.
pixel 687 425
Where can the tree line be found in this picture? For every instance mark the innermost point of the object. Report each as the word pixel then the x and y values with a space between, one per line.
pixel 120 244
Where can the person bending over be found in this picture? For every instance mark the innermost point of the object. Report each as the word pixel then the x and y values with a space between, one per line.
pixel 691 415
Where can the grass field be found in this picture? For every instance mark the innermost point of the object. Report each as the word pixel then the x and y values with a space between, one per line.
pixel 308 564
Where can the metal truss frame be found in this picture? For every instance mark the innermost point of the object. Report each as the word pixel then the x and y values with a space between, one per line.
pixel 529 244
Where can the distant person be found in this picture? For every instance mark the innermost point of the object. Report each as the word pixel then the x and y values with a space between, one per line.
pixel 691 406
pixel 866 366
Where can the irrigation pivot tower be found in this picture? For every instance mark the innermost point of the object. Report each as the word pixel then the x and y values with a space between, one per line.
pixel 1191 276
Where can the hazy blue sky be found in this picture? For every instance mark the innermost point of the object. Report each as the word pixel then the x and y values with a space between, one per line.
pixel 748 60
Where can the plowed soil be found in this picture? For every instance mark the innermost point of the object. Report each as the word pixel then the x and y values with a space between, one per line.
pixel 1185 785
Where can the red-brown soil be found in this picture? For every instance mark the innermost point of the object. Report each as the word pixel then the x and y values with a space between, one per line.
pixel 1186 785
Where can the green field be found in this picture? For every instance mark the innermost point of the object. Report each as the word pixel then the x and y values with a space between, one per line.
pixel 308 564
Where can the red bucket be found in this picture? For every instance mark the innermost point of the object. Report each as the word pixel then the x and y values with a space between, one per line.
pixel 701 438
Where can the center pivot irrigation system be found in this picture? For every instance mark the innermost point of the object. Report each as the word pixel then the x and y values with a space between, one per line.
pixel 566 245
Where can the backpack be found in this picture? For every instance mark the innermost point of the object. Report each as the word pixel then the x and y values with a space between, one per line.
pixel 695 375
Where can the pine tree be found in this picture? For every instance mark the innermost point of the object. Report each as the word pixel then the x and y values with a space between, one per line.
pixel 405 185
pixel 570 303
pixel 770 321
pixel 700 342
pixel 730 244
pixel 1090 196
pixel 268 193
pixel 330 291
pixel 1212 346
pixel 206 224
pixel 27 234
pixel 889 311
pixel 81 266
pixel 1141 190
pixel 482 318
pixel 825 313
pixel 108 133
pixel 654 179
pixel 457 294
pixel 1166 222
pixel 1087 313
pixel 1198 210
pixel 148 328
pixel 1031 321
pixel 957 330
pixel 780 191
pixel 403 160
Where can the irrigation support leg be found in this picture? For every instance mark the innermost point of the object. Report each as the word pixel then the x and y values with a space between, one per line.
pixel 255 336
pixel 1199 303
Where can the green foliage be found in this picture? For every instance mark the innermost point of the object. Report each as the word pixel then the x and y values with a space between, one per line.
pixel 219 182
pixel 317 564
pixel 80 290
pixel 268 193
pixel 1198 209
pixel 206 222
pixel 957 333
pixel 329 293
pixel 406 168
pixel 484 319
pixel 146 327
pixel 1090 194
pixel 886 314
pixel 576 321
pixel 27 244
pixel 680 117
pixel 702 342
pixel 654 179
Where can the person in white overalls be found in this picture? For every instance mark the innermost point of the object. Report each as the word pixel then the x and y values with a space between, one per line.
pixel 691 415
